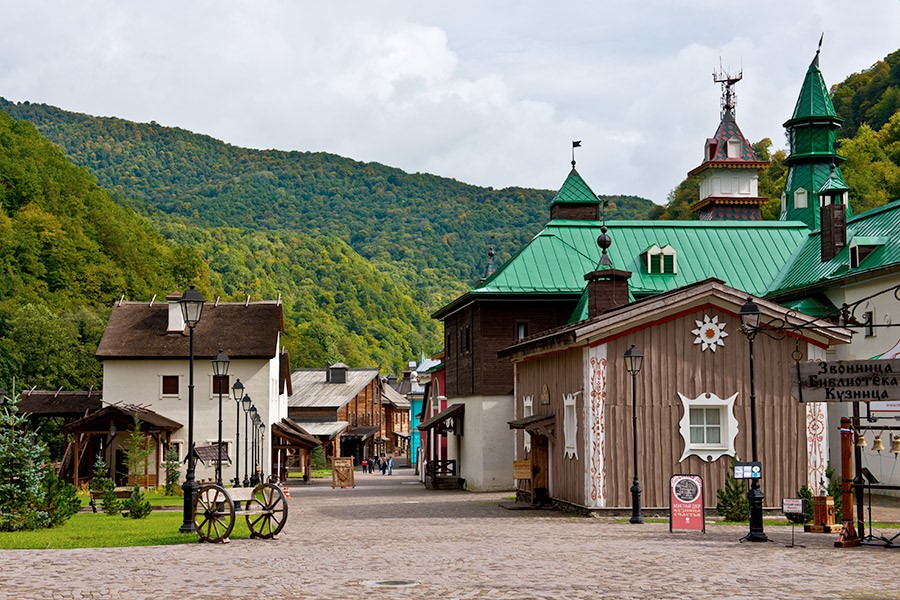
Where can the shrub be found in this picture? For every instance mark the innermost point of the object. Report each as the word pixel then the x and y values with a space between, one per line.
pixel 60 498
pixel 136 507
pixel 732 498
pixel 106 486
pixel 318 458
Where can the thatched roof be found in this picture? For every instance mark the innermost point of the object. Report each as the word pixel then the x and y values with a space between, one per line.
pixel 243 330
pixel 62 403
pixel 122 416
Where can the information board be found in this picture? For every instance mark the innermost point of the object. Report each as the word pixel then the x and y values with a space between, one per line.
pixel 793 506
pixel 342 473
pixel 848 381
pixel 521 469
pixel 686 510
pixel 747 470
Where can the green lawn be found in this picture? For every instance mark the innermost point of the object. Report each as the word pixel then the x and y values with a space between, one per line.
pixel 89 530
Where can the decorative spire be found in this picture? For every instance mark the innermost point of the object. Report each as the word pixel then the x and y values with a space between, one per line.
pixel 604 241
pixel 491 253
pixel 575 144
pixel 729 98
pixel 819 49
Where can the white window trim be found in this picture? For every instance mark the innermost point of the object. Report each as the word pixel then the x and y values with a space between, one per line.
pixel 527 411
pixel 733 144
pixel 666 250
pixel 729 424
pixel 226 393
pixel 180 445
pixel 570 425
pixel 801 198
pixel 180 387
pixel 229 446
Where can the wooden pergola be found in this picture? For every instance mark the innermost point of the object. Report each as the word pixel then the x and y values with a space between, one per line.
pixel 112 420
pixel 292 447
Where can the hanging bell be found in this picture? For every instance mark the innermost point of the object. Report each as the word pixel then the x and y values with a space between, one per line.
pixel 895 444
pixel 861 440
pixel 878 445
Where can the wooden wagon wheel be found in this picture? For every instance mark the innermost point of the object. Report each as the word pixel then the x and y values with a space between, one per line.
pixel 213 513
pixel 270 511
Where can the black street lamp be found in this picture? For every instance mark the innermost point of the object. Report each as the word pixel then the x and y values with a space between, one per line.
pixel 191 308
pixel 750 320
pixel 634 360
pixel 237 392
pixel 254 421
pixel 262 447
pixel 220 370
pixel 246 404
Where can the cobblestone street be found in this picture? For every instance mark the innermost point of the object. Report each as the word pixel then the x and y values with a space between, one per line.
pixel 389 538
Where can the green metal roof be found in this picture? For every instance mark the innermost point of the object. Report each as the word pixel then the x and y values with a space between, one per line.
pixel 807 269
pixel 815 306
pixel 746 255
pixel 574 190
pixel 814 101
pixel 834 183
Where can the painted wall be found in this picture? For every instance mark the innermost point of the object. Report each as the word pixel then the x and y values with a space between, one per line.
pixel 485 450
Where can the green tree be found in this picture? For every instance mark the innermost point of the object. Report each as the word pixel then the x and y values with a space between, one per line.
pixel 173 472
pixel 732 497
pixel 137 450
pixel 22 472
pixel 103 484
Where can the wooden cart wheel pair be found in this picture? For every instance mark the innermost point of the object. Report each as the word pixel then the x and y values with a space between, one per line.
pixel 215 510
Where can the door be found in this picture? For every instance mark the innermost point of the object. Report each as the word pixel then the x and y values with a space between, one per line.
pixel 540 468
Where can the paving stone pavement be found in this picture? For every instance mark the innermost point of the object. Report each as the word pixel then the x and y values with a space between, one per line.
pixel 389 538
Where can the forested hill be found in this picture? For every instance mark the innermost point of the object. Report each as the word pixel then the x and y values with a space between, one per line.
pixel 431 231
pixel 67 251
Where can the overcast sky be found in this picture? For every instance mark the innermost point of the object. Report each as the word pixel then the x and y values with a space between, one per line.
pixel 490 93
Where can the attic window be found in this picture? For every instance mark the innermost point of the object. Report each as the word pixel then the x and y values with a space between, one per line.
pixel 734 148
pixel 660 260
pixel 859 251
pixel 800 199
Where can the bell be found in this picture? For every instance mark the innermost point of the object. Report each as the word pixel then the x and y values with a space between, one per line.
pixel 878 445
pixel 895 444
pixel 861 440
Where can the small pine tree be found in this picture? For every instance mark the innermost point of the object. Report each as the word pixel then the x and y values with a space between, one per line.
pixel 173 472
pixel 60 498
pixel 137 450
pixel 732 497
pixel 136 507
pixel 318 458
pixel 106 486
pixel 22 460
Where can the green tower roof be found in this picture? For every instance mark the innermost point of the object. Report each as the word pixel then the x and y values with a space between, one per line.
pixel 574 190
pixel 834 183
pixel 814 101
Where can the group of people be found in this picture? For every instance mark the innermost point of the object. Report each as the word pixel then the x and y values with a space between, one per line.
pixel 382 463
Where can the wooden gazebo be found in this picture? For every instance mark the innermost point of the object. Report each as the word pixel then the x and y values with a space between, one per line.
pixel 112 420
pixel 292 447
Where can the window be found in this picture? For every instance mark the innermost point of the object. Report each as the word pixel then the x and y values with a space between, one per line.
pixel 800 200
pixel 661 260
pixel 570 426
pixel 226 447
pixel 521 330
pixel 527 411
pixel 169 385
pixel 708 427
pixel 224 382
pixel 178 445
pixel 734 148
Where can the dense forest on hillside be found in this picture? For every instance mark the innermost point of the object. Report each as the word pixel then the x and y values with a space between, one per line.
pixel 67 251
pixel 869 103
pixel 431 231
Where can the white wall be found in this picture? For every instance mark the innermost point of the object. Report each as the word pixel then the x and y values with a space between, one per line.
pixel 486 449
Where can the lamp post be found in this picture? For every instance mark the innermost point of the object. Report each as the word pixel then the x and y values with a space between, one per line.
pixel 220 370
pixel 254 420
pixel 246 403
pixel 237 392
pixel 262 446
pixel 634 359
pixel 750 320
pixel 191 308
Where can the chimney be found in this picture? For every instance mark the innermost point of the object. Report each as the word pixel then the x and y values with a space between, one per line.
pixel 176 317
pixel 607 287
pixel 833 215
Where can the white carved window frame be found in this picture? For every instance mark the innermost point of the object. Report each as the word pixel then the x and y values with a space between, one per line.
pixel 733 148
pixel 570 425
pixel 527 411
pixel 801 198
pixel 728 423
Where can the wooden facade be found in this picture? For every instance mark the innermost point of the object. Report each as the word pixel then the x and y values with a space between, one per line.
pixel 593 366
pixel 474 334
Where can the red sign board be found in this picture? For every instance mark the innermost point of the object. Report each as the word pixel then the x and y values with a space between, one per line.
pixel 686 510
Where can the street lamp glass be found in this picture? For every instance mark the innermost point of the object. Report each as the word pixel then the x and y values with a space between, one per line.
pixel 750 314
pixel 246 403
pixel 220 364
pixel 237 391
pixel 634 360
pixel 191 306
pixel 253 413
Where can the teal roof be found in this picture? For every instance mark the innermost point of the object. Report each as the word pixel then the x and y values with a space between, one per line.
pixel 574 190
pixel 747 255
pixel 814 101
pixel 876 225
pixel 815 306
pixel 834 183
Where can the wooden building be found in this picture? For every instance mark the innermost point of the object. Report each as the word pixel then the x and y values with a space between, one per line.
pixel 574 399
pixel 342 407
pixel 396 421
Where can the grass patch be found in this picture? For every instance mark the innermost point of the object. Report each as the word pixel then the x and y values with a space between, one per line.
pixel 320 473
pixel 89 530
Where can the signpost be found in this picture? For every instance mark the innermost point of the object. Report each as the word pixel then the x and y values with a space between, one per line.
pixel 686 510
pixel 342 473
pixel 522 471
pixel 793 506
pixel 848 381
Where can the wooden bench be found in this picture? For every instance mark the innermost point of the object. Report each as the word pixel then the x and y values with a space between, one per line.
pixel 121 493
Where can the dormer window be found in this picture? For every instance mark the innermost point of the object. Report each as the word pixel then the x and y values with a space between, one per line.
pixel 860 248
pixel 734 148
pixel 800 198
pixel 711 147
pixel 660 260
